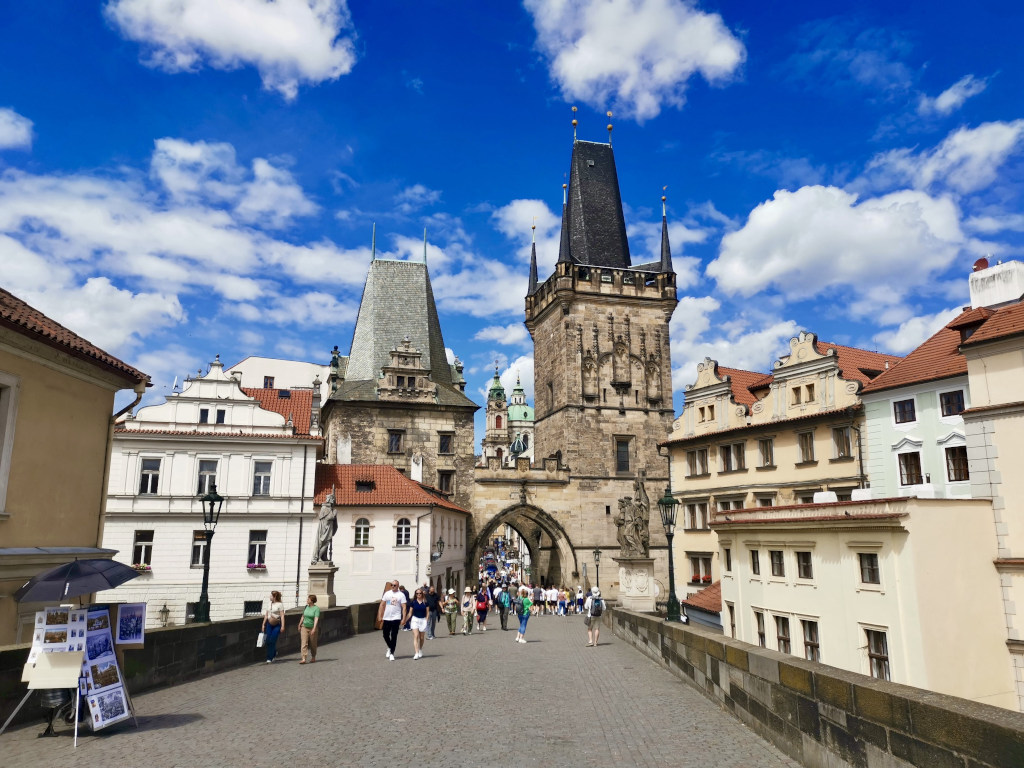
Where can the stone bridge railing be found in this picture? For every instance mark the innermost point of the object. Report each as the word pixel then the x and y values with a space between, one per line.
pixel 826 717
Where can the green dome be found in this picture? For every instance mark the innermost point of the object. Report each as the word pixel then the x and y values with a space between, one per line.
pixel 520 413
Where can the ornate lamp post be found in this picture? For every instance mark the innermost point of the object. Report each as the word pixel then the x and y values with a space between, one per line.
pixel 669 506
pixel 438 549
pixel 212 503
pixel 597 567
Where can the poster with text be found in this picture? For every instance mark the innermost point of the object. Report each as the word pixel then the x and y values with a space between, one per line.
pixel 131 623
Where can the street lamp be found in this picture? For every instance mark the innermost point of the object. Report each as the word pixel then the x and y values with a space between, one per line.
pixel 669 506
pixel 597 567
pixel 212 503
pixel 439 545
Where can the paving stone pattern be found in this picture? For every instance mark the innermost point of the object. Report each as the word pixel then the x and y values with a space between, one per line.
pixel 477 700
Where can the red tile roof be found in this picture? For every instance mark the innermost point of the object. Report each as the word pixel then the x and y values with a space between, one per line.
pixel 740 381
pixel 298 405
pixel 20 317
pixel 858 364
pixel 1006 321
pixel 708 599
pixel 937 358
pixel 390 487
pixel 971 317
pixel 220 435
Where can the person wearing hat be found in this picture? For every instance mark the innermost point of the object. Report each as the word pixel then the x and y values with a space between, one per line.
pixel 504 603
pixel 594 608
pixel 451 611
pixel 468 611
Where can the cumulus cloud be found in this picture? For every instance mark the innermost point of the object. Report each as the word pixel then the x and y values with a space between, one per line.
pixel 290 42
pixel 803 243
pixel 953 97
pixel 645 247
pixel 15 130
pixel 417 196
pixel 912 332
pixel 511 334
pixel 633 55
pixel 515 220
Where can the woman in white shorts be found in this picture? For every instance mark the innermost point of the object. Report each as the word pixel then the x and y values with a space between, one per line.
pixel 417 616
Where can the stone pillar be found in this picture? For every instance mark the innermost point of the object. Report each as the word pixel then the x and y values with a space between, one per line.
pixel 321 584
pixel 636 583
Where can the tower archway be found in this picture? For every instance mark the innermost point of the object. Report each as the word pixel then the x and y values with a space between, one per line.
pixel 551 552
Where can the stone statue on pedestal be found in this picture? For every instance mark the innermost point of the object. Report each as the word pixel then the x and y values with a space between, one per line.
pixel 633 522
pixel 328 526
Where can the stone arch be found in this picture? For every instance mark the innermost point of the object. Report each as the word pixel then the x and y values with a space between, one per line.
pixel 526 518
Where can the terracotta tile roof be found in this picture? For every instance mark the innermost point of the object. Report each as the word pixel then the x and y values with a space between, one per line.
pixel 1006 321
pixel 708 599
pixel 740 381
pixel 763 383
pixel 711 435
pixel 971 316
pixel 997 406
pixel 815 519
pixel 298 405
pixel 858 364
pixel 937 358
pixel 389 487
pixel 220 435
pixel 19 316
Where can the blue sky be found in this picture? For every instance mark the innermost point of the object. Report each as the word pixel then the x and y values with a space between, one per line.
pixel 182 179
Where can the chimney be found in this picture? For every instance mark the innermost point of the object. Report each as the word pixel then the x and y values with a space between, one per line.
pixel 997 285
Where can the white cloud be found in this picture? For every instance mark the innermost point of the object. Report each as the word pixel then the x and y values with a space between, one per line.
pixel 953 97
pixel 164 366
pixel 290 42
pixel 803 243
pixel 521 368
pixel 913 332
pixel 481 288
pixel 633 55
pixel 417 196
pixel 313 307
pixel 511 334
pixel 272 198
pixel 967 160
pixel 515 220
pixel 997 222
pixel 645 247
pixel 15 130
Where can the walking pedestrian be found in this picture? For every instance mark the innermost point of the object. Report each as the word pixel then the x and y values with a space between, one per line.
pixel 451 611
pixel 594 608
pixel 563 595
pixel 523 606
pixel 273 625
pixel 416 615
pixel 394 603
pixel 468 611
pixel 404 591
pixel 434 608
pixel 503 602
pixel 538 599
pixel 309 628
pixel 483 603
pixel 579 599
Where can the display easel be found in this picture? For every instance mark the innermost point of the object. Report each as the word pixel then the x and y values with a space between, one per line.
pixel 119 649
pixel 61 669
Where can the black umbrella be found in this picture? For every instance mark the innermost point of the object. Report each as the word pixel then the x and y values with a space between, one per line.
pixel 80 577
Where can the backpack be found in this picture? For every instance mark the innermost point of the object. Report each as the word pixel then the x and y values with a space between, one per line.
pixel 596 607
pixel 503 600
pixel 519 606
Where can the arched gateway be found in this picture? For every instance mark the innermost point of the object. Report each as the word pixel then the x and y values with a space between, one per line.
pixel 551 553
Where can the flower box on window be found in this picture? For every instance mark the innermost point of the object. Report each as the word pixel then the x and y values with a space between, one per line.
pixel 256 567
pixel 706 579
pixel 142 567
pixel 696 577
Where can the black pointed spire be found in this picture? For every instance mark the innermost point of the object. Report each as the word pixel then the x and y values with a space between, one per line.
pixel 533 264
pixel 564 249
pixel 666 250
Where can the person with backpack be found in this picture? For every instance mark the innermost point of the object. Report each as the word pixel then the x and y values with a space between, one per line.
pixel 504 602
pixel 483 603
pixel 594 608
pixel 523 604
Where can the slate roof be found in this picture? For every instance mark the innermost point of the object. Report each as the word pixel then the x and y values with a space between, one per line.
pixel 597 228
pixel 937 358
pixel 390 488
pixel 708 599
pixel 28 321
pixel 1006 321
pixel 298 405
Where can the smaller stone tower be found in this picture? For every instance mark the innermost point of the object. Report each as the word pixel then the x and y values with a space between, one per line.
pixel 496 437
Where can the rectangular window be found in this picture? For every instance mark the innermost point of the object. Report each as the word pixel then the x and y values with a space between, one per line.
pixel 952 403
pixel 622 455
pixel 797 395
pixel 149 481
pixel 697 516
pixel 257 548
pixel 956 464
pixel 9 388
pixel 903 411
pixel 782 634
pixel 725 505
pixel 778 562
pixel 804 569
pixel 759 621
pixel 869 568
pixel 910 468
pixel 809 393
pixel 732 619
pixel 755 562
pixel 204 415
pixel 221 415
pixel 268 382
pixel 701 567
pixel 400 381
pixel 261 478
pixel 697 462
pixel 766 452
pixel 805 442
pixel 252 607
pixel 395 440
pixel 207 476
pixel 842 444
pixel 766 501
pixel 142 551
pixel 728 559
pixel 445 481
pixel 198 549
pixel 733 457
pixel 812 650
pixel 878 654
pixel 445 443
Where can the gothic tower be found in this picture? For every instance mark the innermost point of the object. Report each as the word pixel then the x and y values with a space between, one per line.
pixel 603 374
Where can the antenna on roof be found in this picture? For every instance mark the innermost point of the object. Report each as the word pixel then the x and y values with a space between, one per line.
pixel 574 124
pixel 424 245
pixel 373 243
pixel 609 129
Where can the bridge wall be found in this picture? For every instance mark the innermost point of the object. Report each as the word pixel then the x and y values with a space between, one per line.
pixel 825 717
pixel 173 655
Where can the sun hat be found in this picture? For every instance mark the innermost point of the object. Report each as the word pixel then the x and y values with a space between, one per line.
pixel 467 589
pixel 451 591
pixel 595 592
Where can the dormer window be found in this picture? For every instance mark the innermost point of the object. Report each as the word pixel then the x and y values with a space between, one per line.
pixel 365 486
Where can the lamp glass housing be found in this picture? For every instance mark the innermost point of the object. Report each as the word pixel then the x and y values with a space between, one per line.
pixel 668 505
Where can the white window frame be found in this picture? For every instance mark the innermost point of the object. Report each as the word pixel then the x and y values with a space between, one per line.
pixel 198 545
pixel 357 528
pixel 264 489
pixel 904 425
pixel 10 388
pixel 144 473
pixel 399 526
pixel 257 552
pixel 200 490
pixel 956 417
pixel 920 467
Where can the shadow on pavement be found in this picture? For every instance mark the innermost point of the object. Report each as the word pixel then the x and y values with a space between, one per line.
pixel 170 720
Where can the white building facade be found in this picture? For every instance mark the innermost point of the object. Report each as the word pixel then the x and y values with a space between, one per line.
pixel 259 448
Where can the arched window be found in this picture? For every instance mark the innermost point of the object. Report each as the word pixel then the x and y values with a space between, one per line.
pixel 403 532
pixel 497 422
pixel 362 532
pixel 526 440
pixel 499 454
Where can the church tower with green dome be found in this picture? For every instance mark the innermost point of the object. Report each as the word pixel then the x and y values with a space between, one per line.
pixel 520 423
pixel 497 434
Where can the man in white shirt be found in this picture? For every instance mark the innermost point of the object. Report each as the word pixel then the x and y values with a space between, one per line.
pixel 390 612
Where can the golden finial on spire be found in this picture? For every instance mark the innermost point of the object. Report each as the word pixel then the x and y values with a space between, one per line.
pixel 663 201
pixel 565 194
pixel 534 228
pixel 574 123
pixel 609 129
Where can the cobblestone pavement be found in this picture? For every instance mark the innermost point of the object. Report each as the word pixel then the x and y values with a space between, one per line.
pixel 469 701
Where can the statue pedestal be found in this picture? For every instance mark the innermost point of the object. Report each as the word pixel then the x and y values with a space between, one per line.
pixel 636 583
pixel 321 583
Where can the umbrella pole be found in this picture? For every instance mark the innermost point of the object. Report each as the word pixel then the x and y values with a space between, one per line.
pixel 16 710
